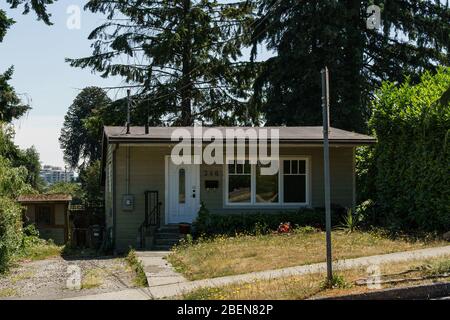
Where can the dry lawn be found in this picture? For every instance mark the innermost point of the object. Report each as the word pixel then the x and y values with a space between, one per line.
pixel 312 286
pixel 237 255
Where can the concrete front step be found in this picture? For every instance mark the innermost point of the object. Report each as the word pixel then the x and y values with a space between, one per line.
pixel 169 228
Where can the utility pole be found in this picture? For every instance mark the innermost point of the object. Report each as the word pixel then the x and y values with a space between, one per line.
pixel 128 110
pixel 326 166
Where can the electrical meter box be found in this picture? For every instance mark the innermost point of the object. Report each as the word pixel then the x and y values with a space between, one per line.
pixel 128 202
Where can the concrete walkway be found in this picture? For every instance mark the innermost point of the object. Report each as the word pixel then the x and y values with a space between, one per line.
pixel 168 289
pixel 159 272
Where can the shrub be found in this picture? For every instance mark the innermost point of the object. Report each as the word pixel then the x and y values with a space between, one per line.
pixel 140 278
pixel 410 163
pixel 10 231
pixel 259 223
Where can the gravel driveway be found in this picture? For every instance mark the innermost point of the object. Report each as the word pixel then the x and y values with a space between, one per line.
pixel 46 279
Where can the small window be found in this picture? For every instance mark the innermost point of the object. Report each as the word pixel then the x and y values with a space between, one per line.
pixel 182 186
pixel 294 181
pixel 44 215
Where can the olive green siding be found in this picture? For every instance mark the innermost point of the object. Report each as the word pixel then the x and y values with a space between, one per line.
pixel 341 167
pixel 147 172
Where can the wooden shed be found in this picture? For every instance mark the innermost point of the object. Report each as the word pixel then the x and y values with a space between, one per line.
pixel 49 213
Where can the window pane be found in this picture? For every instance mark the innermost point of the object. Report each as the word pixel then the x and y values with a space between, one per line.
pixel 231 168
pixel 247 167
pixel 266 187
pixel 294 188
pixel 43 216
pixel 239 168
pixel 302 166
pixel 294 166
pixel 287 166
pixel 182 186
pixel 239 189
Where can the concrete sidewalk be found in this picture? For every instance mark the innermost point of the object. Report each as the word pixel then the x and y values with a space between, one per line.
pixel 167 290
pixel 159 272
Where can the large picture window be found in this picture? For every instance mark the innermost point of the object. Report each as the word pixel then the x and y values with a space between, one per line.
pixel 247 186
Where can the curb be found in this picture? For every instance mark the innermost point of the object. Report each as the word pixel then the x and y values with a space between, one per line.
pixel 419 292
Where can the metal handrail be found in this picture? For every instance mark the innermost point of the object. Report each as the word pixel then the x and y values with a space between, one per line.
pixel 152 216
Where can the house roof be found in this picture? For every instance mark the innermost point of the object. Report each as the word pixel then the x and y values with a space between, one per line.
pixel 307 135
pixel 44 198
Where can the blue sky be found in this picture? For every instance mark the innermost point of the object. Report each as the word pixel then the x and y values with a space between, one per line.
pixel 43 78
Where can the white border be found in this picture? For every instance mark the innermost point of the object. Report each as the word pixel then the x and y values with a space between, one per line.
pixel 279 204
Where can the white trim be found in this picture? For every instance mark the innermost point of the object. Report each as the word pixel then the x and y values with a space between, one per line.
pixel 196 181
pixel 280 203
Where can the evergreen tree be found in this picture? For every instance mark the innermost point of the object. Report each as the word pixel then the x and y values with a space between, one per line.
pixel 182 56
pixel 11 107
pixel 80 139
pixel 308 35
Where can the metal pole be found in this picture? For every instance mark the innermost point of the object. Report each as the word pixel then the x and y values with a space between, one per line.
pixel 326 166
pixel 128 110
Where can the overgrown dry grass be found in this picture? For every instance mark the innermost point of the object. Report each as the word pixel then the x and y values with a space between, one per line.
pixel 93 278
pixel 242 254
pixel 311 286
pixel 40 251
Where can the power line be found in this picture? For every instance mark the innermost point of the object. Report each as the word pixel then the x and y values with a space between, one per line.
pixel 269 12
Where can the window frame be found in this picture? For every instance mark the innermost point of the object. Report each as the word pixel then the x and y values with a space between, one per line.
pixel 253 203
pixel 51 213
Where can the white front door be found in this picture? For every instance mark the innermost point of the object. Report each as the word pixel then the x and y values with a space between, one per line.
pixel 184 192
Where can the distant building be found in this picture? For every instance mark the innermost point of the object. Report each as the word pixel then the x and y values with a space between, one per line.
pixel 51 174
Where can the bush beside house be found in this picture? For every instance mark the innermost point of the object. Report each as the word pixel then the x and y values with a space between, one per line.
pixel 261 223
pixel 12 183
pixel 407 172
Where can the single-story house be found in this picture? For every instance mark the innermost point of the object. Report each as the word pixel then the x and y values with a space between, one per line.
pixel 49 213
pixel 144 187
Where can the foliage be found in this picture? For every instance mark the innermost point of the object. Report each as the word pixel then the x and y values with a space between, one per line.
pixel 140 279
pixel 38 6
pixel 259 223
pixel 305 230
pixel 182 58
pixel 29 159
pixel 336 282
pixel 11 107
pixel 10 231
pixel 351 221
pixel 90 182
pixel 312 34
pixel 412 156
pixel 72 188
pixel 79 141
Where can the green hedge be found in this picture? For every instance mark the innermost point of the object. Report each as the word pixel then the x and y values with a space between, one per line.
pixel 260 223
pixel 10 231
pixel 410 165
